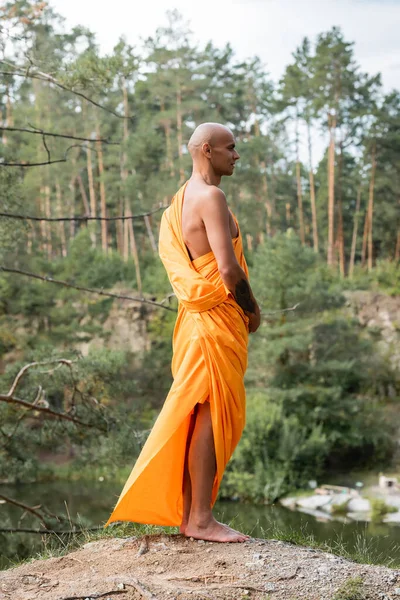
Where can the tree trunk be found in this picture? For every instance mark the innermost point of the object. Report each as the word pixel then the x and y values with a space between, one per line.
pixel 84 195
pixel 179 130
pixel 354 238
pixel 92 196
pixel 61 228
pixel 72 224
pixel 312 191
pixel 340 235
pixel 47 193
pixel 150 234
pixel 249 239
pixel 129 240
pixel 264 179
pixel 103 203
pixel 299 189
pixel 397 249
pixel 9 116
pixel 364 240
pixel 167 131
pixel 371 207
pixel 331 188
pixel 288 213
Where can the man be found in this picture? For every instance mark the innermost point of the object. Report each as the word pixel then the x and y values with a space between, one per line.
pixel 176 478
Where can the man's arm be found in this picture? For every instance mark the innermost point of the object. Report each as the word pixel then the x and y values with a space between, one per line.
pixel 215 216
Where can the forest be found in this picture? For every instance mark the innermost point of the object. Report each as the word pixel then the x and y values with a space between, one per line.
pixel 93 148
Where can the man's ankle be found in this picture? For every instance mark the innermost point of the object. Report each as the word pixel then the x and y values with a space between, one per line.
pixel 200 518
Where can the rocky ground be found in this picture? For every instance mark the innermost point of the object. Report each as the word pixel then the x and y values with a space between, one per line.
pixel 172 567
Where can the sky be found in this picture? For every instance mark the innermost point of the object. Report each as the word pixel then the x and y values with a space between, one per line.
pixel 270 29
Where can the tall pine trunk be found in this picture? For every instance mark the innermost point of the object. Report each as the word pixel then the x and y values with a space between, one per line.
pixel 371 207
pixel 397 249
pixel 92 196
pixel 129 233
pixel 167 132
pixel 312 190
pixel 340 234
pixel 179 130
pixel 364 239
pixel 299 188
pixel 331 188
pixel 9 116
pixel 103 202
pixel 61 228
pixel 355 229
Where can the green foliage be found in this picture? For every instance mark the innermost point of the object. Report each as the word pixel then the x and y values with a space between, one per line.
pixel 276 453
pixel 379 509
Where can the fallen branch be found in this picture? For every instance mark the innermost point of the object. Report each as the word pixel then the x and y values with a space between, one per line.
pixel 85 289
pixel 49 531
pixel 90 595
pixel 291 576
pixel 139 587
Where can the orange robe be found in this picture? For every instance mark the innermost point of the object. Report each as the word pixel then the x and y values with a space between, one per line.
pixel 209 361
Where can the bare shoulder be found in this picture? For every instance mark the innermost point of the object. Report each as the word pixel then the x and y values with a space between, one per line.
pixel 212 199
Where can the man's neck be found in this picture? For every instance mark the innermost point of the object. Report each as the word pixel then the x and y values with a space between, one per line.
pixel 206 175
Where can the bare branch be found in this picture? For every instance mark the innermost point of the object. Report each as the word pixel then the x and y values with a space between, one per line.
pixel 274 312
pixel 29 509
pixel 81 218
pixel 49 161
pixel 85 289
pixel 26 72
pixel 44 409
pixel 58 135
pixel 61 361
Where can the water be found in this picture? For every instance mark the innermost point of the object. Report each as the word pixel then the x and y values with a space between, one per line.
pixel 90 504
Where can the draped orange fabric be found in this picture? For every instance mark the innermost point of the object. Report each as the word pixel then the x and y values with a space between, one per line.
pixel 209 361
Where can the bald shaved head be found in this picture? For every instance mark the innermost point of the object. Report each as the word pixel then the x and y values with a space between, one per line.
pixel 207 133
pixel 212 147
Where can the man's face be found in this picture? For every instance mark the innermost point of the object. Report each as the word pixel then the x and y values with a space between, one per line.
pixel 223 154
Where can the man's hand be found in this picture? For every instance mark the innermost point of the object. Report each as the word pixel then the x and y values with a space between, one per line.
pixel 215 216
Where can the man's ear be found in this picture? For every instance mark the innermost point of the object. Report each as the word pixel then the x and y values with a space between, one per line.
pixel 206 148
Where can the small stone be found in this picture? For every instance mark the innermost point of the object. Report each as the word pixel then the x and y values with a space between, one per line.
pixel 120 586
pixel 208 549
pixel 160 570
pixel 201 542
pixel 257 556
pixel 270 587
pixel 191 539
pixel 397 591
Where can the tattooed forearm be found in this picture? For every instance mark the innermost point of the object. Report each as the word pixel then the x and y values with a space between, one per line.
pixel 243 296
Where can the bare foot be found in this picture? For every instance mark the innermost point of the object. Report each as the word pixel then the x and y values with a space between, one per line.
pixel 183 527
pixel 212 531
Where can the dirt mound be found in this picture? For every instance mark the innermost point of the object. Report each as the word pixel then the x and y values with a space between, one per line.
pixel 173 567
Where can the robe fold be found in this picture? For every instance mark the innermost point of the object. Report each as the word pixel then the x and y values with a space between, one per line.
pixel 209 362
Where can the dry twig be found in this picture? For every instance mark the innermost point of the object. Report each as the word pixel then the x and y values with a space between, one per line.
pixel 80 218
pixel 85 289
